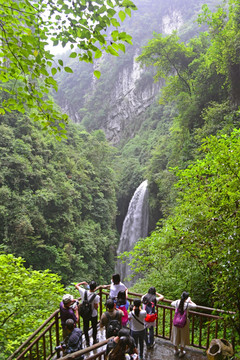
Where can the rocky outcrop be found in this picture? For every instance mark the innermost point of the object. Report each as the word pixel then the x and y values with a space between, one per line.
pixel 130 99
pixel 132 87
pixel 135 91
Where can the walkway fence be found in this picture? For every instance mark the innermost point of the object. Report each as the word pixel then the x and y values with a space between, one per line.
pixel 205 324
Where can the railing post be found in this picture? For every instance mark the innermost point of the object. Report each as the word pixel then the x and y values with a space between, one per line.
pixel 100 294
pixel 57 331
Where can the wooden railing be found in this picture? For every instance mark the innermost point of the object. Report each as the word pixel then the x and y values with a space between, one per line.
pixel 204 326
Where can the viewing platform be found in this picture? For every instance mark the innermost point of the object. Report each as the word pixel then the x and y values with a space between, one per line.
pixel 205 324
pixel 163 350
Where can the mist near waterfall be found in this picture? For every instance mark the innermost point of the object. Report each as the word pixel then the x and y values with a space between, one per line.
pixel 135 226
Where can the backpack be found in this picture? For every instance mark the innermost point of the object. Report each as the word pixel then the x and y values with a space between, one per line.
pixel 85 308
pixel 75 343
pixel 125 316
pixel 179 319
pixel 150 309
pixel 113 326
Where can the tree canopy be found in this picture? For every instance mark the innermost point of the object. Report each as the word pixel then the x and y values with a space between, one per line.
pixel 57 203
pixel 28 297
pixel 202 231
pixel 27 67
pixel 196 242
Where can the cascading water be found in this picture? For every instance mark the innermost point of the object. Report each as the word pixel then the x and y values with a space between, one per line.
pixel 135 226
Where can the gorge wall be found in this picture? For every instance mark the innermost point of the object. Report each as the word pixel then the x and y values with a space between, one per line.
pixel 131 89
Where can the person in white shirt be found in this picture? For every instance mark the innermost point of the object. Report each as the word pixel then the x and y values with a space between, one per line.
pixel 136 319
pixel 116 286
pixel 94 299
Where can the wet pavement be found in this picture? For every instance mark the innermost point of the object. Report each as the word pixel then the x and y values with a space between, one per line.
pixel 163 350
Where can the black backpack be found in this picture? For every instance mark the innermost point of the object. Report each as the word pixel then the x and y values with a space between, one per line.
pixel 85 308
pixel 75 343
pixel 150 308
pixel 113 326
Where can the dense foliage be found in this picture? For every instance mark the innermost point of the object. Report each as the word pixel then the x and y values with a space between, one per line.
pixel 28 297
pixel 196 243
pixel 25 30
pixel 95 106
pixel 57 203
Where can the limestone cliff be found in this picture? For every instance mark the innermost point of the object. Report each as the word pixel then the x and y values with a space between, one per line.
pixel 114 102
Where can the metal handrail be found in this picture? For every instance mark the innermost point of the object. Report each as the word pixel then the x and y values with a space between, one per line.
pixel 77 354
pixel 34 334
pixel 162 330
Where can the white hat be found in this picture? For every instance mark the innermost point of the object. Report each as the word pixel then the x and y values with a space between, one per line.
pixel 66 298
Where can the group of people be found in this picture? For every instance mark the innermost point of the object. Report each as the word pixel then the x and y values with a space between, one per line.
pixel 129 326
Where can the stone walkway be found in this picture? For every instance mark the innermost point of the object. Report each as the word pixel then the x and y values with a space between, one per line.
pixel 163 350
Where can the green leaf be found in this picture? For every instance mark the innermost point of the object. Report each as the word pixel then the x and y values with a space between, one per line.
pixel 97 74
pixel 54 71
pixel 128 12
pixel 73 55
pixel 115 22
pixel 98 54
pixel 122 15
pixel 114 35
pixel 121 47
pixel 112 51
pixel 68 69
pixel 111 12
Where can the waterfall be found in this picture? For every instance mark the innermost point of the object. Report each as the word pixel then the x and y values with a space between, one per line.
pixel 135 226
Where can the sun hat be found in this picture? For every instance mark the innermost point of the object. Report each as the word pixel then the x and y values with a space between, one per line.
pixel 66 298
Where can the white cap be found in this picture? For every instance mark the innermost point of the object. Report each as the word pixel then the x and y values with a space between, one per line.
pixel 66 298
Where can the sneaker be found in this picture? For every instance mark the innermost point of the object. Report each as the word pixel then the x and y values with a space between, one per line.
pixel 182 353
pixel 176 352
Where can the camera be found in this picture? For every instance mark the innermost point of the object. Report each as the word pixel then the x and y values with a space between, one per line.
pixel 61 347
pixel 74 305
pixel 134 357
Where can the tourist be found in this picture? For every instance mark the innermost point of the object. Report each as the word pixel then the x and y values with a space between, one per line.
pixel 123 304
pixel 149 301
pixel 68 310
pixel 136 318
pixel 112 343
pixel 111 319
pixel 120 351
pixel 180 335
pixel 116 286
pixel 74 342
pixel 94 300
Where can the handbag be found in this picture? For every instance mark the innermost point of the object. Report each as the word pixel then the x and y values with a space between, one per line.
pixel 151 317
pixel 180 319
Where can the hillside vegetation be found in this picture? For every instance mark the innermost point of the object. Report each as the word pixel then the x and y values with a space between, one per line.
pixel 196 242
pixel 59 200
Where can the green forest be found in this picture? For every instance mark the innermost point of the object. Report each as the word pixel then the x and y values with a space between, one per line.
pixel 65 188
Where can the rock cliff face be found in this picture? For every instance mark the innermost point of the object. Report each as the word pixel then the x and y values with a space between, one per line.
pixel 131 90
pixel 134 91
pixel 129 101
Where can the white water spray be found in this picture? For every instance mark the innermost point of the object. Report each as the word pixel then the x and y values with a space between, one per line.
pixel 135 226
